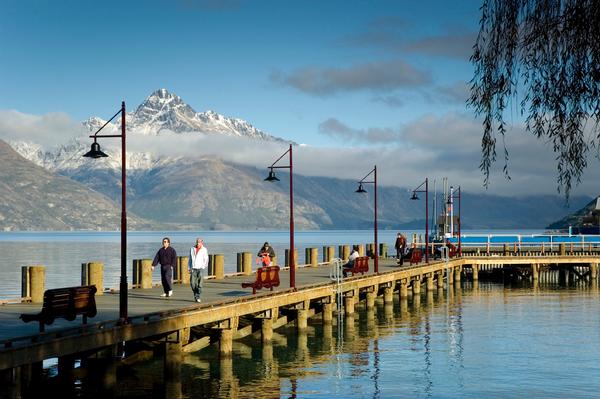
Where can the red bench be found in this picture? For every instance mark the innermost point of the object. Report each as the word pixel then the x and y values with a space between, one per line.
pixel 266 277
pixel 361 265
pixel 65 303
pixel 416 257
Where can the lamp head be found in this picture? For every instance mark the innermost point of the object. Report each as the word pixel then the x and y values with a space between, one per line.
pixel 360 189
pixel 271 176
pixel 95 151
pixel 414 196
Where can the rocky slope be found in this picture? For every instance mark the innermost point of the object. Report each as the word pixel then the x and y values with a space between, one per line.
pixel 574 219
pixel 36 199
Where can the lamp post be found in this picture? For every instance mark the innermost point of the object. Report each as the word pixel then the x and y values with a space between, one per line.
pixel 414 197
pixel 362 190
pixel 451 203
pixel 273 178
pixel 96 152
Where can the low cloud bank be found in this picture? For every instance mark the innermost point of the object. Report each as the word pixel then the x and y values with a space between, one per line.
pixel 431 146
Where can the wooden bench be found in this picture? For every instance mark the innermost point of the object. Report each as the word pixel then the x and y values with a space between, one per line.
pixel 266 277
pixel 416 256
pixel 361 265
pixel 65 303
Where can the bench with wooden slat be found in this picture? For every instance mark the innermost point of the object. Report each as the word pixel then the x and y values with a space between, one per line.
pixel 266 277
pixel 360 265
pixel 416 256
pixel 66 303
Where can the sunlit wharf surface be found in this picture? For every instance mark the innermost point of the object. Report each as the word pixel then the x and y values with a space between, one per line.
pixel 488 341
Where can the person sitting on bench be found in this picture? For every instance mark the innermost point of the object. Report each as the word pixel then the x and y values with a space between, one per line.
pixel 265 254
pixel 350 264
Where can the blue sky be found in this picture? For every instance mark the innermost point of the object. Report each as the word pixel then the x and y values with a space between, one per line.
pixel 384 76
pixel 235 57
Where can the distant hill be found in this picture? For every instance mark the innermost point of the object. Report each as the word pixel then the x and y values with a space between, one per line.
pixel 576 218
pixel 180 193
pixel 35 199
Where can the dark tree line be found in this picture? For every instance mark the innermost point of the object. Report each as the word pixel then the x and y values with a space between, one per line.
pixel 541 57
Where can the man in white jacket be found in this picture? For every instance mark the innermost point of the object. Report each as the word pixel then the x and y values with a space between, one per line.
pixel 198 262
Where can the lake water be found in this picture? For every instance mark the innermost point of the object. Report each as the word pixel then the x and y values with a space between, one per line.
pixel 492 341
pixel 63 252
pixel 489 342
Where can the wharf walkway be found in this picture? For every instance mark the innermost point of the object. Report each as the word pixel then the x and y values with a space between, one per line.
pixel 145 301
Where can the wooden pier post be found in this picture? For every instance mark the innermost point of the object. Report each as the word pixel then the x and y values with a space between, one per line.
pixel 349 305
pixel 181 274
pixel 430 284
pixel 227 328
pixel 440 279
pixel 33 282
pixel 92 273
pixel 142 273
pixel 535 272
pixel 361 249
pixel 416 286
pixel 302 316
pixel 266 330
pixel 328 253
pixel 244 263
pixel 562 249
pixel 475 269
pixel 344 252
pixel 403 289
pixel 370 297
pixel 312 256
pixel 388 295
pixel 219 266
pixel 327 313
pixel 287 258
pixel 172 365
pixel 457 272
pixel 371 250
pixel 593 271
pixel 383 250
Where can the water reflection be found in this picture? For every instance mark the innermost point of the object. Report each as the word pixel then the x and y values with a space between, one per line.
pixel 417 349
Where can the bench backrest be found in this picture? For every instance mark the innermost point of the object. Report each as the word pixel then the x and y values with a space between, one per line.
pixel 361 264
pixel 416 256
pixel 268 275
pixel 69 301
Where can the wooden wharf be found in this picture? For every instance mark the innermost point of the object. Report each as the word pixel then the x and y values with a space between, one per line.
pixel 228 312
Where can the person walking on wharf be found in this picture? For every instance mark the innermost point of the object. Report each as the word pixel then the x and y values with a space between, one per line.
pixel 167 257
pixel 400 246
pixel 198 262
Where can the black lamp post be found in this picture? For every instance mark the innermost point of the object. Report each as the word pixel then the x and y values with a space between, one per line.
pixel 96 152
pixel 414 197
pixel 450 198
pixel 362 190
pixel 273 178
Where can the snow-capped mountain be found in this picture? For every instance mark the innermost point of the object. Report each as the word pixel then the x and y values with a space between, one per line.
pixel 162 111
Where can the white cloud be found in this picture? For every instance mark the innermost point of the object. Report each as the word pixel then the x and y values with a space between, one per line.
pixel 48 130
pixel 430 146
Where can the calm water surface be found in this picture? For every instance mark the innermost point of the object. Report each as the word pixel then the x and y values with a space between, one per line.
pixel 491 342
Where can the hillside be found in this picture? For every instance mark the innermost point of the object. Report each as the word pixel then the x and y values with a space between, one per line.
pixel 35 199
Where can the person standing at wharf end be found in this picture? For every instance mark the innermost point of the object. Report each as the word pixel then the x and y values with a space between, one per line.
pixel 167 257
pixel 198 262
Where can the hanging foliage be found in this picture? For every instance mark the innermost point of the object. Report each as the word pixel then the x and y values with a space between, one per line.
pixel 548 52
